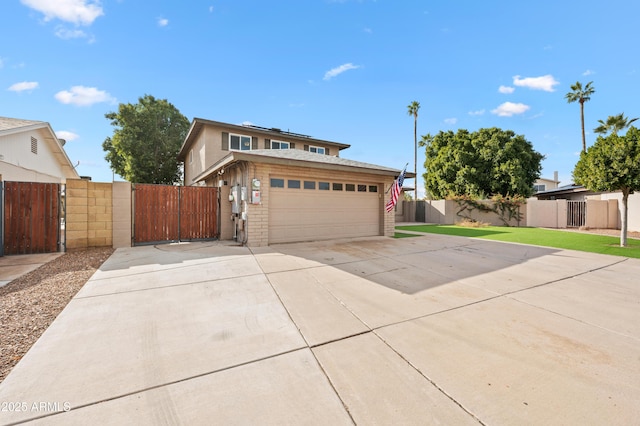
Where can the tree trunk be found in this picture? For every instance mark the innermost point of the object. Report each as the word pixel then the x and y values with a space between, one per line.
pixel 415 155
pixel 584 140
pixel 625 209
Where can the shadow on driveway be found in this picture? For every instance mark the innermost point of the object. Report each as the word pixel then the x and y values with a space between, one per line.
pixel 425 330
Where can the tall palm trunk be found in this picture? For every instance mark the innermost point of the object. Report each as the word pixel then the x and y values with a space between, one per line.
pixel 584 140
pixel 415 154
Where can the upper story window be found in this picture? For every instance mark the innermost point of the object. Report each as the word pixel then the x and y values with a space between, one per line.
pixel 316 149
pixel 539 188
pixel 280 145
pixel 239 142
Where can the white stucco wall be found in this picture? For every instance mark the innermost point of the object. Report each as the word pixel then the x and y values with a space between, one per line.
pixel 18 163
pixel 546 213
pixel 633 206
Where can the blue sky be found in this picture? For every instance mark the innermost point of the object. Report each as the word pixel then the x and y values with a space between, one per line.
pixel 344 71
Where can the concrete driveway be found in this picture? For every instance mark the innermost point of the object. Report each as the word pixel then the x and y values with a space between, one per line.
pixel 425 330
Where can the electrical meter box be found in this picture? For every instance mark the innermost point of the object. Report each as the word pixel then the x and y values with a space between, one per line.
pixel 235 199
pixel 255 191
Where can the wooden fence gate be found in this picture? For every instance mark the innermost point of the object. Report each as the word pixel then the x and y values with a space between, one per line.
pixel 30 217
pixel 167 213
pixel 576 214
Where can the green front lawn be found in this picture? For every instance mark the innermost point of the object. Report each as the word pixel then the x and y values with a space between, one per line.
pixel 537 236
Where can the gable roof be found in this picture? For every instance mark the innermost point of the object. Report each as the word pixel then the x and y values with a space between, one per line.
pixel 298 157
pixel 199 123
pixel 13 125
pixel 9 126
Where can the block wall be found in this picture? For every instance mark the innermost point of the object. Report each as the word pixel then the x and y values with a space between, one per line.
pixel 89 214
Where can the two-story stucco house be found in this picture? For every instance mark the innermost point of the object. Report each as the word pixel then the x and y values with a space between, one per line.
pixel 277 186
pixel 30 151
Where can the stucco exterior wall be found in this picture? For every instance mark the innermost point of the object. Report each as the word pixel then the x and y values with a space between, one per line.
pixel 19 164
pixel 597 214
pixel 257 225
pixel 633 205
pixel 207 147
pixel 21 174
pixel 547 213
pixel 121 201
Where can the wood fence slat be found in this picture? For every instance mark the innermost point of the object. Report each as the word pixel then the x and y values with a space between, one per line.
pixel 165 213
pixel 31 217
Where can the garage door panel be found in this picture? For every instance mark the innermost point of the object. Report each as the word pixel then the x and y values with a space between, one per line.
pixel 304 215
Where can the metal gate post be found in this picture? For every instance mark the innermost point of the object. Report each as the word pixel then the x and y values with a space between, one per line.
pixel 179 210
pixel 133 215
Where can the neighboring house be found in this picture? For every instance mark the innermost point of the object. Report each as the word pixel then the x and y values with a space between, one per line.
pixel 543 184
pixel 571 192
pixel 277 186
pixel 575 192
pixel 30 151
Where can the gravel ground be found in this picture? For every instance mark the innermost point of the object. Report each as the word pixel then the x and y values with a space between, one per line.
pixel 29 304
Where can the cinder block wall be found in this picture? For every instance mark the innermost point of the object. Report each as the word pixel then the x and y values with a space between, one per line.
pixel 89 218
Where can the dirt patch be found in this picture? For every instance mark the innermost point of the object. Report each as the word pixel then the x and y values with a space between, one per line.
pixel 29 304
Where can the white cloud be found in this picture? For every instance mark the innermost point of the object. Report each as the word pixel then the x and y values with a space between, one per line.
pixel 66 34
pixel 83 96
pixel 22 86
pixel 506 89
pixel 79 12
pixel 508 109
pixel 451 121
pixel 66 135
pixel 588 72
pixel 476 113
pixel 545 82
pixel 163 22
pixel 339 70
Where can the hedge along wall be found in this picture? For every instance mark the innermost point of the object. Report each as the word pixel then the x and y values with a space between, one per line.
pixel 89 217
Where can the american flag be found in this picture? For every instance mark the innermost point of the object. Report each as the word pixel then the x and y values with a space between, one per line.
pixel 395 191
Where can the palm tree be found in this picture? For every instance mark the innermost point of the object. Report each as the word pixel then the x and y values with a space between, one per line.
pixel 614 124
pixel 412 109
pixel 581 95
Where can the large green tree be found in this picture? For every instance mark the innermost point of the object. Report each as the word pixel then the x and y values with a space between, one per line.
pixel 480 164
pixel 614 124
pixel 612 163
pixel 146 141
pixel 581 95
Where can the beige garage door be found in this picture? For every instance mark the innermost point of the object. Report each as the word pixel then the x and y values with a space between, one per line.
pixel 308 210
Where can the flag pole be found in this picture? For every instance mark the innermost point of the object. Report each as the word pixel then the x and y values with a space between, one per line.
pixel 389 189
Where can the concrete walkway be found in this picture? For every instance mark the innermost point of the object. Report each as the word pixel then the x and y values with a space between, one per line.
pixel 12 267
pixel 425 330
